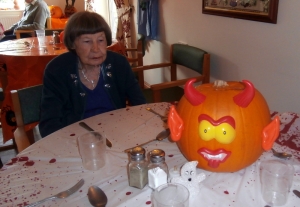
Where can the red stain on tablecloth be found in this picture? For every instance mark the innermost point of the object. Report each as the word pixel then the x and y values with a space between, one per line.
pixel 52 160
pixel 226 192
pixel 170 155
pixel 29 163
pixel 128 193
pixel 23 159
pixel 148 202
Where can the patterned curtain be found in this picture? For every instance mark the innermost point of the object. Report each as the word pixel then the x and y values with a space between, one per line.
pixel 124 28
pixel 90 5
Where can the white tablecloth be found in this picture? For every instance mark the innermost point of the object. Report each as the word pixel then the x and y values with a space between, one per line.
pixel 53 164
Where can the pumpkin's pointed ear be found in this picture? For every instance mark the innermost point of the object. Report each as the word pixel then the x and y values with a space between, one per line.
pixel 270 134
pixel 175 124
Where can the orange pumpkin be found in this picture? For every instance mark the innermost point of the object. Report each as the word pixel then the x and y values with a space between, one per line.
pixel 222 127
pixel 55 11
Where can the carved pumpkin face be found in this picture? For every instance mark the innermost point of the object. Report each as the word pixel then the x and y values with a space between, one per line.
pixel 222 127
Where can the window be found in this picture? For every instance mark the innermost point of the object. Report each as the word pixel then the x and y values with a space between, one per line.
pixel 12 4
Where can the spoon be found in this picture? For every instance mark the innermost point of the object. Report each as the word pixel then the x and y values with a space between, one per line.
pixel 97 197
pixel 162 135
pixel 282 155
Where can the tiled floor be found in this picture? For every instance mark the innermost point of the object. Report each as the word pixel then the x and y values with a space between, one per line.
pixel 7 155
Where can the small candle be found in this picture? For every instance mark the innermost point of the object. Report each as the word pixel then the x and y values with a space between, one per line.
pixel 174 172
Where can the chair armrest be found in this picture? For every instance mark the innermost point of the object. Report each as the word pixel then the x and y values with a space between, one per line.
pixel 149 67
pixel 171 84
pixel 19 31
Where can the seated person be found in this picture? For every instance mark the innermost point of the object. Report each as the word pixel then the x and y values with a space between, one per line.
pixel 34 18
pixel 89 79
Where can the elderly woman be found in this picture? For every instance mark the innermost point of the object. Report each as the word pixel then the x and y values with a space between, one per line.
pixel 88 80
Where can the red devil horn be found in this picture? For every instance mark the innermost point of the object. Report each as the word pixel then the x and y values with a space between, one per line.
pixel 191 94
pixel 244 98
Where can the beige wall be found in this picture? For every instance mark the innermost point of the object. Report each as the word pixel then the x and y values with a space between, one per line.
pixel 266 54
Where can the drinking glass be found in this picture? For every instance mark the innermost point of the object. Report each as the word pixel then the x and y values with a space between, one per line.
pixel 92 150
pixel 276 178
pixel 171 195
pixel 41 37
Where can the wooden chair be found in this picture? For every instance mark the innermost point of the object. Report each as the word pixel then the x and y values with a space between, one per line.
pixel 136 58
pixel 26 103
pixel 48 30
pixel 190 57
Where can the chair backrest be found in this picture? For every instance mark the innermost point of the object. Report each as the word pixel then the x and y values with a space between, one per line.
pixel 188 56
pixel 26 104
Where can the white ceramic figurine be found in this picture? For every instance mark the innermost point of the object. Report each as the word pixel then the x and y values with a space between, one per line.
pixel 189 177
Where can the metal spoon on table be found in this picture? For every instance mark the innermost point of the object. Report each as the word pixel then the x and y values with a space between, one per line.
pixel 87 127
pixel 162 135
pixel 282 155
pixel 97 197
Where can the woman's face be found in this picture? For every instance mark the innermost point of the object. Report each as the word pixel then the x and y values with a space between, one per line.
pixel 91 48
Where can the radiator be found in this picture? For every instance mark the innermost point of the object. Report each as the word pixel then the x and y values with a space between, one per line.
pixel 8 18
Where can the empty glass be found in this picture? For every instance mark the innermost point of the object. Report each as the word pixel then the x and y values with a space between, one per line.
pixel 276 178
pixel 41 37
pixel 171 195
pixel 92 150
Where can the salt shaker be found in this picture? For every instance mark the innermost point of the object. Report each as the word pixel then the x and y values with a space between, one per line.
pixel 138 168
pixel 56 38
pixel 157 169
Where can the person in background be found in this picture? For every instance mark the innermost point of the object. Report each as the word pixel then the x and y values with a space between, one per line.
pixel 34 18
pixel 88 79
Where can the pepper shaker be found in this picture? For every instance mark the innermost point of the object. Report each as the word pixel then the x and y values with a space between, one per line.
pixel 138 168
pixel 56 38
pixel 157 169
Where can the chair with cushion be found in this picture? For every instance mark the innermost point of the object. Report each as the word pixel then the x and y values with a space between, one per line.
pixel 191 58
pixel 26 103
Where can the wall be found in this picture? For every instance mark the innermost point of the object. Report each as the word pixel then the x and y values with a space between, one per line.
pixel 266 54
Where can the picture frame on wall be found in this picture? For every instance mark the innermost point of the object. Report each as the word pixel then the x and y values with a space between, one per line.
pixel 255 10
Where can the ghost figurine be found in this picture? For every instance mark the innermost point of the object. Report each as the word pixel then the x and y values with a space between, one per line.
pixel 189 178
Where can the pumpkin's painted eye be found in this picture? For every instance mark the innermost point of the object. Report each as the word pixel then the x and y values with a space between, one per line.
pixel 225 133
pixel 206 130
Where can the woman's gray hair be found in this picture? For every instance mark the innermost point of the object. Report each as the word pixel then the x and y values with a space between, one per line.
pixel 85 23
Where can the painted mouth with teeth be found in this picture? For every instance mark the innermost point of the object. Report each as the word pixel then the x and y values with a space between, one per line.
pixel 214 157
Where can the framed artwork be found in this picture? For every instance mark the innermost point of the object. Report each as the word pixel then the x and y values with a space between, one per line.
pixel 255 10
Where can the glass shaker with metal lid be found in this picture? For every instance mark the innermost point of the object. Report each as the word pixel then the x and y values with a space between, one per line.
pixel 138 168
pixel 157 168
pixel 56 38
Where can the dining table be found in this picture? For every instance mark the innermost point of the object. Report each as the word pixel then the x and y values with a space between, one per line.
pixel 53 164
pixel 25 62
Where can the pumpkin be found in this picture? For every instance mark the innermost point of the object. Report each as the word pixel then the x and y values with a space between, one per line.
pixel 224 128
pixel 55 11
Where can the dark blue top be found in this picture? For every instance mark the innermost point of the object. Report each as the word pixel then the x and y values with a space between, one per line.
pixel 97 101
